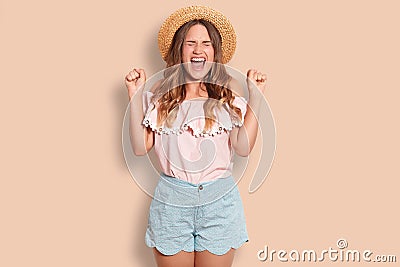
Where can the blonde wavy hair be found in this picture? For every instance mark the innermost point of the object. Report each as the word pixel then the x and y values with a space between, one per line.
pixel 171 91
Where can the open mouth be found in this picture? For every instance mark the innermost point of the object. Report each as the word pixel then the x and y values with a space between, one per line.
pixel 198 63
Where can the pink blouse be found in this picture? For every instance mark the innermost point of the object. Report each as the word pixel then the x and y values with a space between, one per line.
pixel 184 149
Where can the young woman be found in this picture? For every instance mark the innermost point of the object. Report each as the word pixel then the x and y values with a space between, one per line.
pixel 195 118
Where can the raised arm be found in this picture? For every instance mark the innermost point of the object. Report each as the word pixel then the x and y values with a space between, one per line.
pixel 142 138
pixel 243 138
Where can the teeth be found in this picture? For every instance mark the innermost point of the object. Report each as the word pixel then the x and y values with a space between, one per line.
pixel 196 59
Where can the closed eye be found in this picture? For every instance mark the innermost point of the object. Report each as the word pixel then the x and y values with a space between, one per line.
pixel 190 43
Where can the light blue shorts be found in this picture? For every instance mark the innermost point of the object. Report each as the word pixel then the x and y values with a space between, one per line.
pixel 196 217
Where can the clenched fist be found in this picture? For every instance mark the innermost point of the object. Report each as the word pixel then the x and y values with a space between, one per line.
pixel 134 80
pixel 254 77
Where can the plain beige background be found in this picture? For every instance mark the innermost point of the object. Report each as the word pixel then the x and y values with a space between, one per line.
pixel 66 196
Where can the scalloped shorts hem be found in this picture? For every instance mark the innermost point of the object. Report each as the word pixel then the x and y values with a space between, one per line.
pixel 215 251
pixel 216 227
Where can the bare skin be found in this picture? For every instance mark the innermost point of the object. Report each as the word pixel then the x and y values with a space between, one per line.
pixel 197 44
pixel 197 259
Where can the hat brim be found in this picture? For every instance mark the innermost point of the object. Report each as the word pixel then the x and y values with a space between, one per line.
pixel 186 14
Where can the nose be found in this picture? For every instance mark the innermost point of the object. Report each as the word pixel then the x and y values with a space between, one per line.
pixel 197 49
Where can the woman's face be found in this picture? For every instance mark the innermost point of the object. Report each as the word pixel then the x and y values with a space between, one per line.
pixel 197 52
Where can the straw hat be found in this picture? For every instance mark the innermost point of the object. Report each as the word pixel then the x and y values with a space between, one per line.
pixel 183 15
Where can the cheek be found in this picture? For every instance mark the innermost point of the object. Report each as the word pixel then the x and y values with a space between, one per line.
pixel 210 52
pixel 186 51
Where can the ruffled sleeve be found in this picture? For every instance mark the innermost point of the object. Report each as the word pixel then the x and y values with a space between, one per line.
pixel 149 110
pixel 146 100
pixel 241 103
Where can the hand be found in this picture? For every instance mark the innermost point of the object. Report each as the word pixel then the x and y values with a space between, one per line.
pixel 134 80
pixel 254 77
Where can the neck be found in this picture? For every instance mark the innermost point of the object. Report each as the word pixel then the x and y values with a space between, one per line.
pixel 195 89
